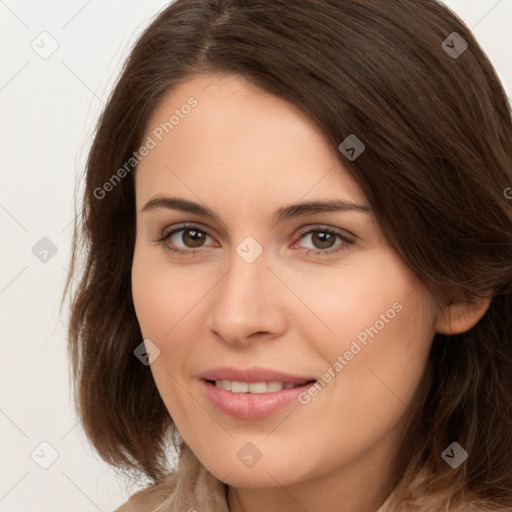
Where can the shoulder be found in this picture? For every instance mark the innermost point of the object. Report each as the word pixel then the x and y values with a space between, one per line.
pixel 190 487
pixel 151 498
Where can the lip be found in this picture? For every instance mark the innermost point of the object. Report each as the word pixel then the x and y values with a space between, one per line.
pixel 253 374
pixel 252 406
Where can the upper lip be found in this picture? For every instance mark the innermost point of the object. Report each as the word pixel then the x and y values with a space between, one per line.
pixel 253 374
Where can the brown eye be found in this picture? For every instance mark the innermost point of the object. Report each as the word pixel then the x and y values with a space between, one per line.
pixel 185 239
pixel 323 239
pixel 192 238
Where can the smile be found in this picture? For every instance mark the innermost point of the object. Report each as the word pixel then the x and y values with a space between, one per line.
pixel 252 400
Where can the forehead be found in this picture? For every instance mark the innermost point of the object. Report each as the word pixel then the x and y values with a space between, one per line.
pixel 221 133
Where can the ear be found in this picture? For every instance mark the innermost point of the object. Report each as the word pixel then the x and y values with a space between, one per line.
pixel 460 315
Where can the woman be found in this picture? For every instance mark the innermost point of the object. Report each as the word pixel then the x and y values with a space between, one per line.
pixel 298 247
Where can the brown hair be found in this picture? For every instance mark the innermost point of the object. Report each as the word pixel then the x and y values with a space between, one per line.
pixel 438 160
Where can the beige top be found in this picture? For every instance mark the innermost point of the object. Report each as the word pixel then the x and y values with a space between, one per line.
pixel 191 488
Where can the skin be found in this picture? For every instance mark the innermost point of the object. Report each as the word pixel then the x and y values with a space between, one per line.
pixel 244 153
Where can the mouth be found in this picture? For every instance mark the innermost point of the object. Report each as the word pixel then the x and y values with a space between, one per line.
pixel 252 393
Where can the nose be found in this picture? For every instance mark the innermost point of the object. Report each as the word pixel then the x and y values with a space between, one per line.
pixel 247 304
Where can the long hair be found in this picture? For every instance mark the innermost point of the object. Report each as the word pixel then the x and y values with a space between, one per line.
pixel 437 128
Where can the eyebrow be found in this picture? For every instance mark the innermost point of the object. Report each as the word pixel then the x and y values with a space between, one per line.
pixel 281 214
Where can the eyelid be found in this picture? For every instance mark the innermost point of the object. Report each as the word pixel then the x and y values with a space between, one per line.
pixel 185 225
pixel 331 229
pixel 193 225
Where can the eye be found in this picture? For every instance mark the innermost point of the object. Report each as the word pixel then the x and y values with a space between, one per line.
pixel 189 239
pixel 184 239
pixel 323 241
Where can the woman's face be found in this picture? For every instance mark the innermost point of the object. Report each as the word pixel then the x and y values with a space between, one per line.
pixel 259 280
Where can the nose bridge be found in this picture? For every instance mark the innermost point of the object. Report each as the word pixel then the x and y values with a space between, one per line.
pixel 246 300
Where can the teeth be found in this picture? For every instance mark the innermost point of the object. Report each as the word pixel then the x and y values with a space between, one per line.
pixel 226 384
pixel 257 387
pixel 254 387
pixel 239 387
pixel 274 386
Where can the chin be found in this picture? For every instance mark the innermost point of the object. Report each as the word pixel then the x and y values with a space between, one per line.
pixel 266 472
pixel 251 478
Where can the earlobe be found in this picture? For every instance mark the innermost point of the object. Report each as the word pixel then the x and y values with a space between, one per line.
pixel 460 316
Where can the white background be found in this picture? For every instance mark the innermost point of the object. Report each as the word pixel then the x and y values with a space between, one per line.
pixel 48 109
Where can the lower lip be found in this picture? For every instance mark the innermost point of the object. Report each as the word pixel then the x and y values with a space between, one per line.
pixel 252 406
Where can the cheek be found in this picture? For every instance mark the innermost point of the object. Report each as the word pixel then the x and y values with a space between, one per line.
pixel 383 325
pixel 171 302
pixel 354 301
pixel 371 395
pixel 164 300
pixel 162 295
pixel 149 300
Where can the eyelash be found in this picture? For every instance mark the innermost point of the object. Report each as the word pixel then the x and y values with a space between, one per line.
pixel 317 252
